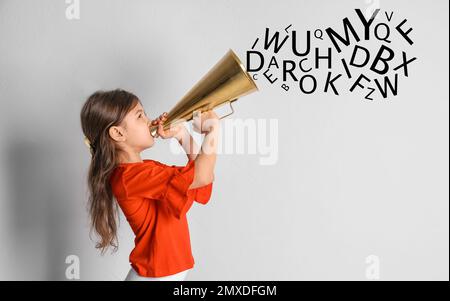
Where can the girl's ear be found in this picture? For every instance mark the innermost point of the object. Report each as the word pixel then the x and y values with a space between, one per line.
pixel 117 133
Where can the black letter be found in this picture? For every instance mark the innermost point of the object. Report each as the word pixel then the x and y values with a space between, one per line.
pixel 357 82
pixel 332 34
pixel 352 60
pixel 387 82
pixel 383 60
pixel 249 69
pixel 365 23
pixel 405 64
pixel 275 37
pixel 294 43
pixel 328 57
pixel 268 76
pixel 314 84
pixel 404 34
pixel 330 82
pixel 288 70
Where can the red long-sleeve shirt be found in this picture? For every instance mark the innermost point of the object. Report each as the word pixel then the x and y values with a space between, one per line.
pixel 155 197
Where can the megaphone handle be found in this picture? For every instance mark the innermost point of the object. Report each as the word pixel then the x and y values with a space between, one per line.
pixel 232 110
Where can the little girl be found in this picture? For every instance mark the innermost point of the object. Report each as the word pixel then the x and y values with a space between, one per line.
pixel 153 196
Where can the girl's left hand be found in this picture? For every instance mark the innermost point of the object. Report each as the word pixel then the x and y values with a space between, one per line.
pixel 173 131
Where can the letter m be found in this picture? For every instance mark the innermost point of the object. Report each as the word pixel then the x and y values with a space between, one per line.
pixel 333 35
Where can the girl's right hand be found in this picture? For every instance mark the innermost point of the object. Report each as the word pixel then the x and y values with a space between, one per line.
pixel 173 131
pixel 205 122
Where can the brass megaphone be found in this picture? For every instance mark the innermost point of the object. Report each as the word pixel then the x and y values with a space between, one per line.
pixel 225 82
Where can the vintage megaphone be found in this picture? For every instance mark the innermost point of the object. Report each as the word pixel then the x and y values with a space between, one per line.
pixel 224 83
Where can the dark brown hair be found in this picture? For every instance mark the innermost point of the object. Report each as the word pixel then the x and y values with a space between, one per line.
pixel 102 110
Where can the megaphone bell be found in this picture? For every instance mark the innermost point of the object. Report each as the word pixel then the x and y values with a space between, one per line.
pixel 224 83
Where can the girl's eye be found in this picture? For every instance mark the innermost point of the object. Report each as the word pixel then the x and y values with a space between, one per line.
pixel 140 115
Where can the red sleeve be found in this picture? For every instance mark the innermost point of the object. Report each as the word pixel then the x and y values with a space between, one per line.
pixel 200 194
pixel 167 183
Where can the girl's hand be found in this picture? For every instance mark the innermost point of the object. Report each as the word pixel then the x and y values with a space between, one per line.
pixel 173 131
pixel 205 122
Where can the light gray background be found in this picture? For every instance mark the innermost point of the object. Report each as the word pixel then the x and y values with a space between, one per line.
pixel 353 178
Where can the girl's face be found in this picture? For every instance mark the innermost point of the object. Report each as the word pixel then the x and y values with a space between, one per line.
pixel 137 130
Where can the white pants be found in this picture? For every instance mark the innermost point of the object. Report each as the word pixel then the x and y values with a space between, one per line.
pixel 133 276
